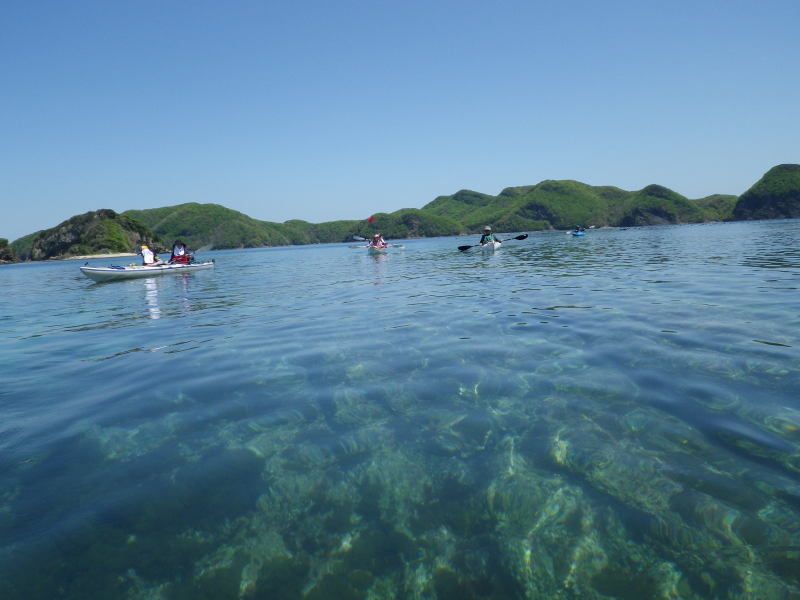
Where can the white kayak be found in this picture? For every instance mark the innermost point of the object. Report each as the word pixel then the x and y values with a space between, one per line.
pixel 490 246
pixel 375 250
pixel 135 271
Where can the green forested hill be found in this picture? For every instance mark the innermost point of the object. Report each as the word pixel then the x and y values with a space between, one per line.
pixel 95 232
pixel 7 253
pixel 563 204
pixel 208 225
pixel 214 226
pixel 775 196
pixel 550 204
pixel 22 246
pixel 718 207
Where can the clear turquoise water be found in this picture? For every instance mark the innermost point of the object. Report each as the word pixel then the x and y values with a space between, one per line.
pixel 614 416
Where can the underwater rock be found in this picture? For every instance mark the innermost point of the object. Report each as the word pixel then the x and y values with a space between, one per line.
pixel 719 485
pixel 392 486
pixel 629 473
pixel 557 542
pixel 463 434
pixel 125 444
pixel 455 503
pixel 354 407
pixel 732 527
pixel 784 421
pixel 281 577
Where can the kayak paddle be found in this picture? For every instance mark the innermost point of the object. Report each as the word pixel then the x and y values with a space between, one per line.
pixel 519 237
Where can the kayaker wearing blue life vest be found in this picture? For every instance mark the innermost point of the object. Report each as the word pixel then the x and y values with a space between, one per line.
pixel 488 236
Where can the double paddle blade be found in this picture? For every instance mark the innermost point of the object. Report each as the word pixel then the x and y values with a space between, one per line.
pixel 519 237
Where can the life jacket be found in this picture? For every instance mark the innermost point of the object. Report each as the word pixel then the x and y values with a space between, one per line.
pixel 179 255
pixel 148 257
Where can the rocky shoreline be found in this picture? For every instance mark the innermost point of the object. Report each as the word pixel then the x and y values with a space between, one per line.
pixel 81 257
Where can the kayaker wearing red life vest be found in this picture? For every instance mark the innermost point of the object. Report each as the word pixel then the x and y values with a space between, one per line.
pixel 378 241
pixel 179 253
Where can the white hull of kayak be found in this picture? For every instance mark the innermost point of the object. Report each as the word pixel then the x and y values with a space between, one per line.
pixel 134 272
pixel 490 246
pixel 374 250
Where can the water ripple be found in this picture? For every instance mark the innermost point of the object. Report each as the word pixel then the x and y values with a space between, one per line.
pixel 607 416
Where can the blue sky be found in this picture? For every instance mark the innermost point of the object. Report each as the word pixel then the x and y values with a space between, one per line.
pixel 335 110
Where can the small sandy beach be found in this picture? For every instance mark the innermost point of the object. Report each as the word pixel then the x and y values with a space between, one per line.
pixel 110 255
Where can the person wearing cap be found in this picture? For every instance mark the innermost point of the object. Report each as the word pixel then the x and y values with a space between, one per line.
pixel 488 236
pixel 148 258
pixel 377 241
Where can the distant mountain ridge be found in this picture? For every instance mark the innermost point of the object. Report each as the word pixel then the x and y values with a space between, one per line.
pixel 562 204
pixel 550 204
pixel 215 226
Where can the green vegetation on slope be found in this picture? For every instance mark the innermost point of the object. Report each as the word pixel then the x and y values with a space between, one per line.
pixel 199 225
pixel 6 252
pixel 560 205
pixel 657 205
pixel 95 232
pixel 22 246
pixel 214 226
pixel 718 207
pixel 564 204
pixel 775 196
pixel 408 223
pixel 460 205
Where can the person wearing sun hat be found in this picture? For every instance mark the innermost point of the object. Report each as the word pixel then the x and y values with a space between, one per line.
pixel 488 236
pixel 377 241
pixel 148 258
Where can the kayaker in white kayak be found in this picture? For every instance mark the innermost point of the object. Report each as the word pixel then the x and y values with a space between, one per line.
pixel 180 255
pixel 377 241
pixel 488 236
pixel 148 258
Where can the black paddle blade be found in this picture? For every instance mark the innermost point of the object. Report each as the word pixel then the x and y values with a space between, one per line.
pixel 464 248
pixel 521 237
